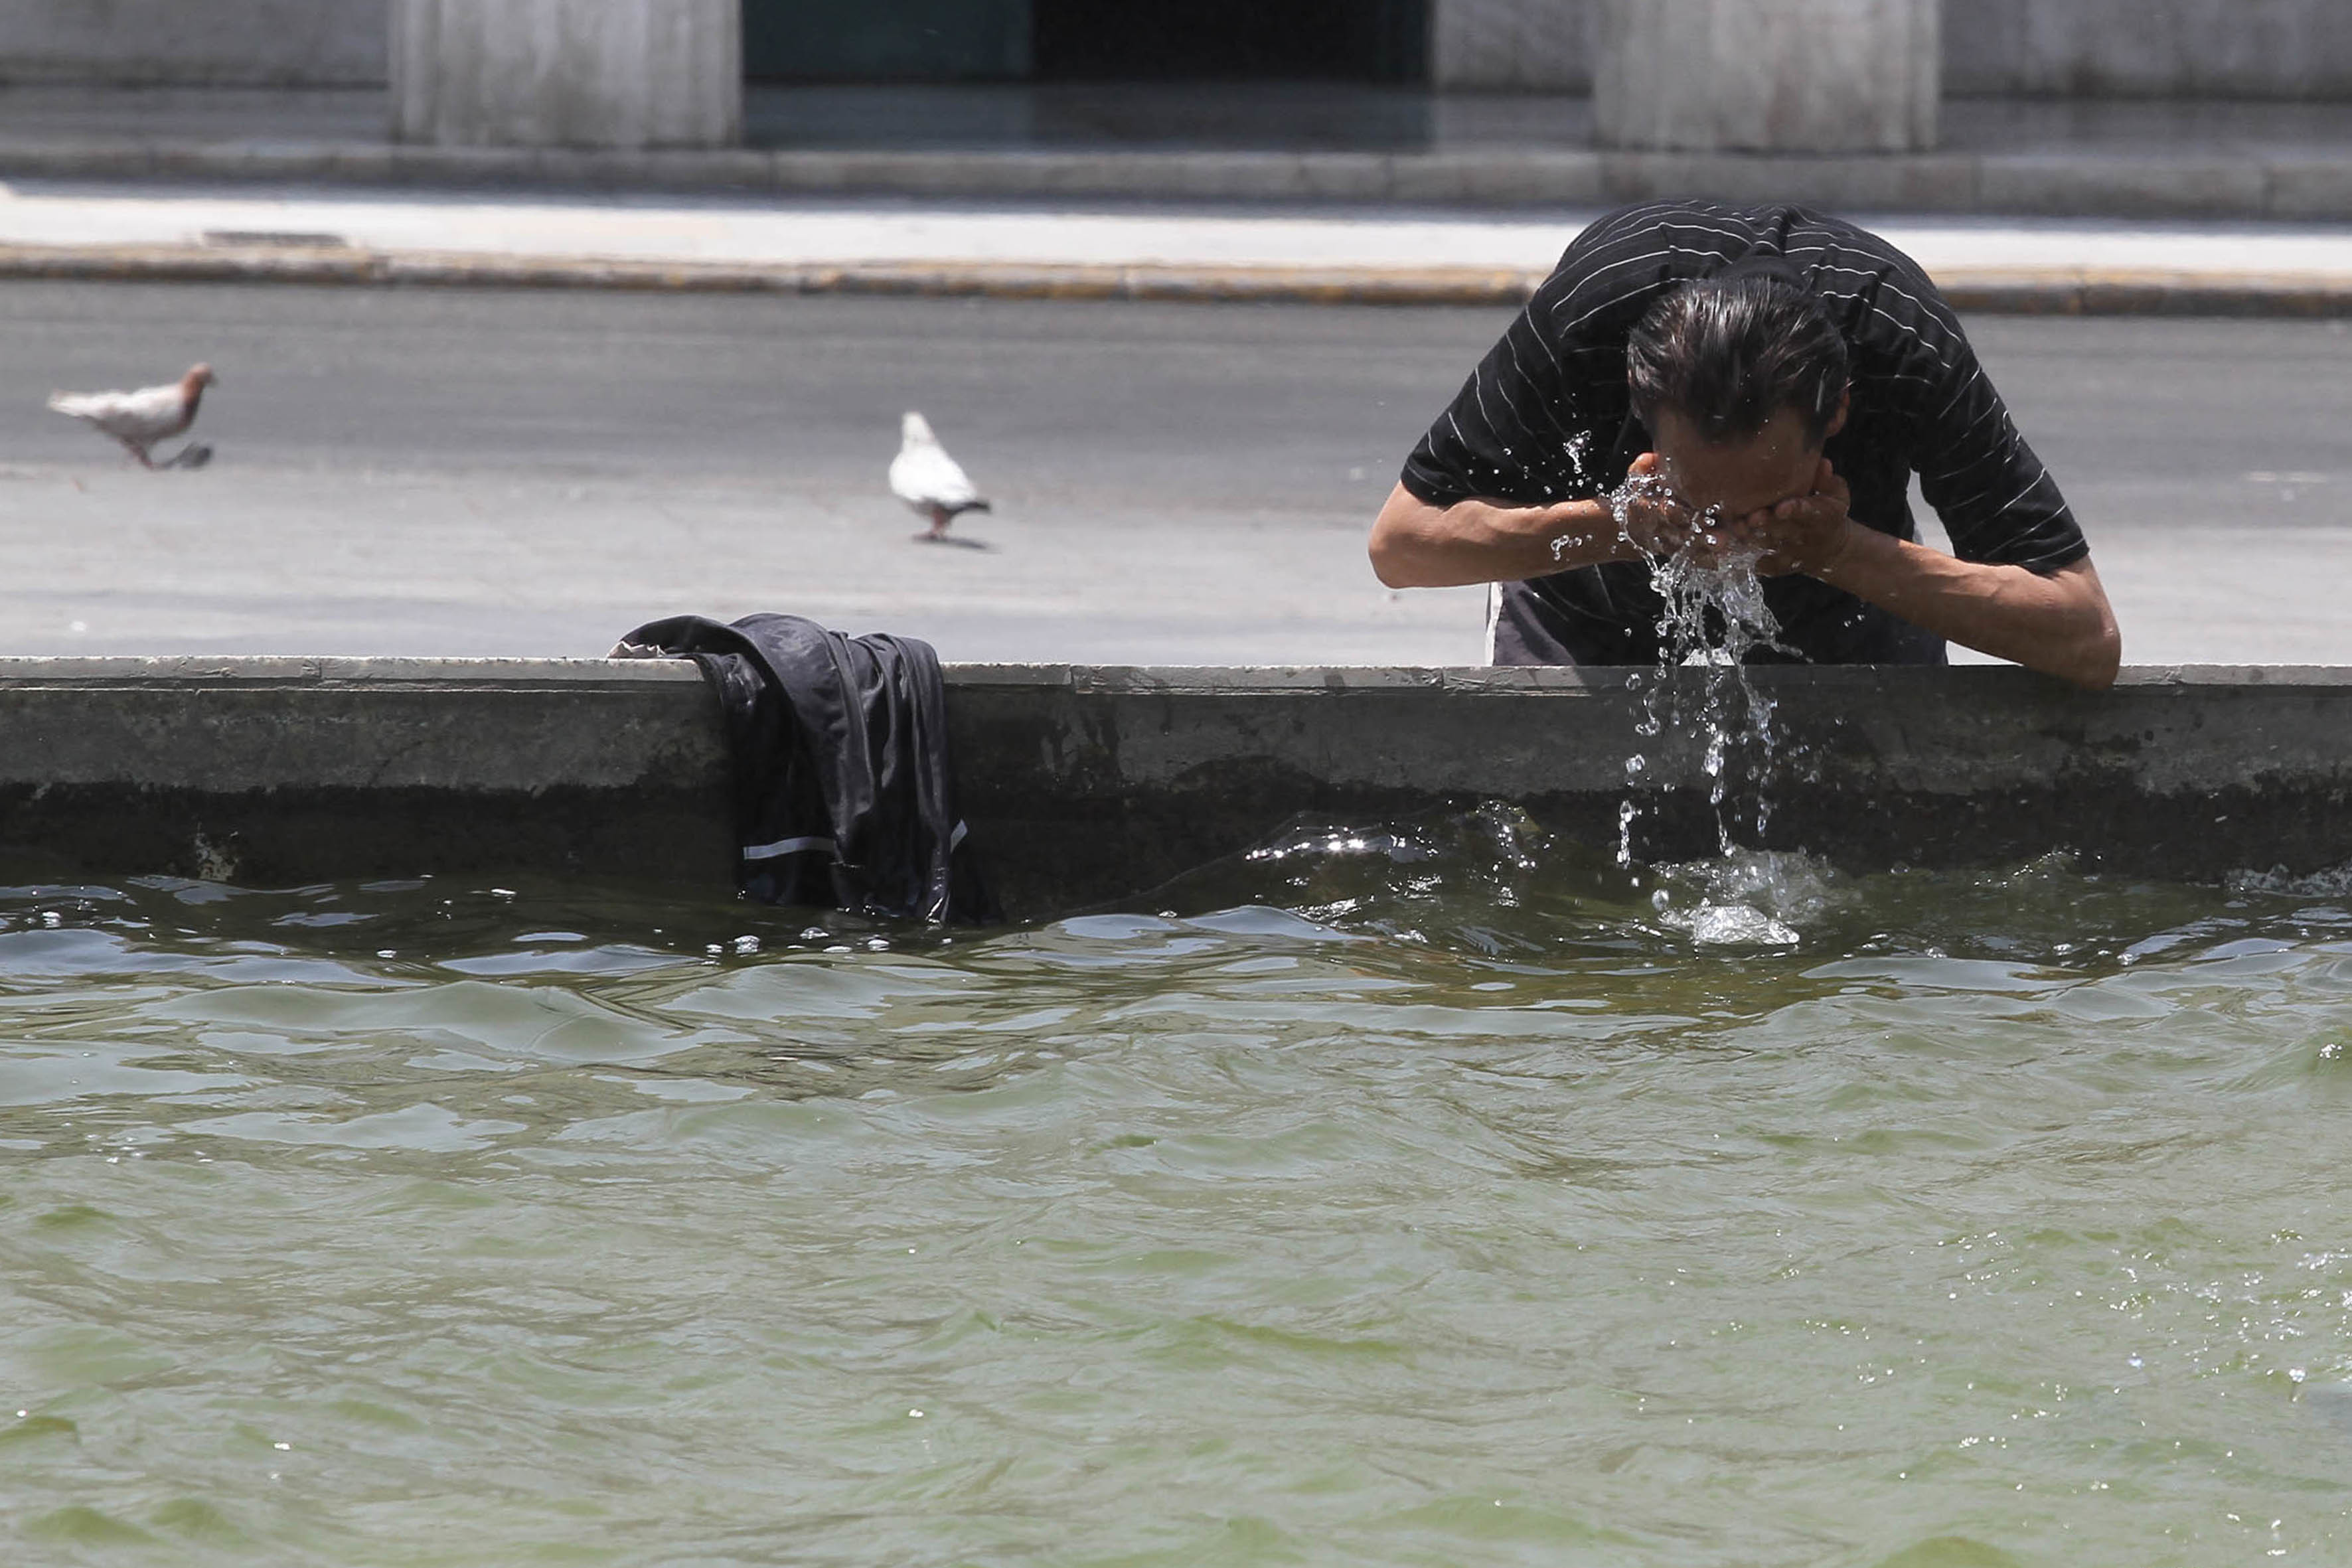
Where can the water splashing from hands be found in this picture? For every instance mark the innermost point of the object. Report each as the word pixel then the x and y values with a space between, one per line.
pixel 1707 571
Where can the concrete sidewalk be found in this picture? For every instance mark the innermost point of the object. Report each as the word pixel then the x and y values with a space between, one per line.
pixel 1293 142
pixel 1332 254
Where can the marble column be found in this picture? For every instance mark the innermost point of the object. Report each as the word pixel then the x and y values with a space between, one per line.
pixel 1771 76
pixel 568 73
pixel 1526 45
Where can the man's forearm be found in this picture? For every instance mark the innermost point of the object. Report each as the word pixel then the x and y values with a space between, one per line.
pixel 2059 624
pixel 1417 545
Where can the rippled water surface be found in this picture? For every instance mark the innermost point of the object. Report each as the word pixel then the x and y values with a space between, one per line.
pixel 1427 1194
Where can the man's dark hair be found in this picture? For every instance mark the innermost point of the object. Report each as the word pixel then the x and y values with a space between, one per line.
pixel 1727 353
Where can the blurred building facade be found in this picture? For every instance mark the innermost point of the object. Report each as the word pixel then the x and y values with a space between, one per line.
pixel 2200 49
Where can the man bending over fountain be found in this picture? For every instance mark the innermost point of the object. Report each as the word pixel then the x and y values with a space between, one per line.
pixel 1744 384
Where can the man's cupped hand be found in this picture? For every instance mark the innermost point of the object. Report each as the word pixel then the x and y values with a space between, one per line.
pixel 1807 534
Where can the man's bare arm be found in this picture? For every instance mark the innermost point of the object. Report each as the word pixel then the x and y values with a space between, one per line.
pixel 2060 623
pixel 1417 545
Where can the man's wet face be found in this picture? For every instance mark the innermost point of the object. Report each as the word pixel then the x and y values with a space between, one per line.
pixel 1732 479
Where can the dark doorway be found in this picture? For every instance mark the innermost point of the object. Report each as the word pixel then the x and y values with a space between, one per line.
pixel 1178 40
pixel 886 40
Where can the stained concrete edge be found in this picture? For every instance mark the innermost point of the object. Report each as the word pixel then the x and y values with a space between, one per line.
pixel 1091 782
pixel 2293 184
pixel 302 671
pixel 2025 292
pixel 326 670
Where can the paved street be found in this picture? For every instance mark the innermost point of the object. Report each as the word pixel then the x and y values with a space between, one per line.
pixel 479 473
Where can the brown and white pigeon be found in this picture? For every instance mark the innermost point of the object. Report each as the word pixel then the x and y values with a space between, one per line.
pixel 929 481
pixel 139 419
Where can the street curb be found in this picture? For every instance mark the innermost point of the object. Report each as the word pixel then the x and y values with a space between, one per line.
pixel 2289 186
pixel 2047 292
pixel 2128 291
pixel 352 265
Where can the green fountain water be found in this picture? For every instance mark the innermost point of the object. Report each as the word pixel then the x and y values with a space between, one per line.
pixel 1420 1192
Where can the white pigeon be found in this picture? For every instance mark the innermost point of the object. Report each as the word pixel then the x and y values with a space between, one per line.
pixel 924 476
pixel 139 419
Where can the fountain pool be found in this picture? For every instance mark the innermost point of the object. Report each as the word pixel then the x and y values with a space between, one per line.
pixel 1408 1192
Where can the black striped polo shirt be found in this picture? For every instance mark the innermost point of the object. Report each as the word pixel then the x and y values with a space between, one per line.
pixel 1547 418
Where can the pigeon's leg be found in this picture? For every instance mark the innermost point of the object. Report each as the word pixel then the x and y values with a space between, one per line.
pixel 940 517
pixel 140 452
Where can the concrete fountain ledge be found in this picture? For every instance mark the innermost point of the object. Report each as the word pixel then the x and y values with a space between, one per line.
pixel 1086 783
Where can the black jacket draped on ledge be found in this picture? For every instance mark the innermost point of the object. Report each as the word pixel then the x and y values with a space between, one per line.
pixel 844 789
